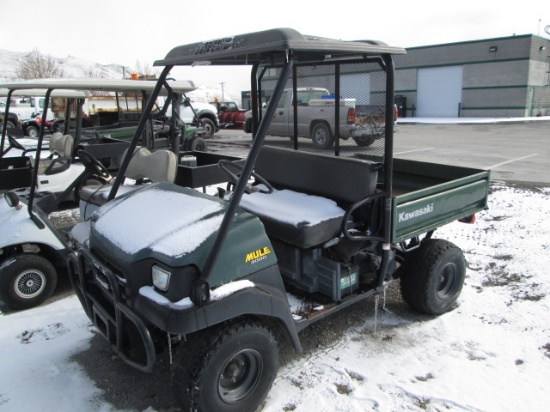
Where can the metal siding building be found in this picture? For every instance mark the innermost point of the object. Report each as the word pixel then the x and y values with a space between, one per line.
pixel 501 77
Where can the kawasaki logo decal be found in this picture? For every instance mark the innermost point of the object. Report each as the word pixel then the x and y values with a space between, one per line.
pixel 404 216
pixel 257 255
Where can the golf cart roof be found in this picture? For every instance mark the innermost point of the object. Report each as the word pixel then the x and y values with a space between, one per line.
pixel 72 94
pixel 110 85
pixel 273 46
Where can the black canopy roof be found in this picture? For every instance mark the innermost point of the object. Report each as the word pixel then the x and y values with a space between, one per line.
pixel 272 46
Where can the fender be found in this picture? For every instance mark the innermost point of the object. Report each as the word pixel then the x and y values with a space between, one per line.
pixel 17 228
pixel 266 298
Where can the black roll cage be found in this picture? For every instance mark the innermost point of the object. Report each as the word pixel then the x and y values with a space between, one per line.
pixel 253 49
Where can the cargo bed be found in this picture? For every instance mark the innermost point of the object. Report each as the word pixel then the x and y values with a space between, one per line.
pixel 429 195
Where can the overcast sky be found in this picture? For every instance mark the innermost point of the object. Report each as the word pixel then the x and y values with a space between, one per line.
pixel 125 32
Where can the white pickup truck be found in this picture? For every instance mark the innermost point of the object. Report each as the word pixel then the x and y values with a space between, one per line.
pixel 316 119
pixel 206 113
pixel 28 107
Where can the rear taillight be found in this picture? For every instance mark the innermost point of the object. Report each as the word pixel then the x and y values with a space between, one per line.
pixel 38 119
pixel 351 116
pixel 468 219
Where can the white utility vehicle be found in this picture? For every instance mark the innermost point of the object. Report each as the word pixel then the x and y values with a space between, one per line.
pixel 32 251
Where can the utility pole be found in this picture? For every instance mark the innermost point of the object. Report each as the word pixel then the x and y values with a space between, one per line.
pixel 223 97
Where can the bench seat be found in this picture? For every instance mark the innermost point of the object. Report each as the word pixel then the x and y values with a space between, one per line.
pixel 312 193
pixel 297 218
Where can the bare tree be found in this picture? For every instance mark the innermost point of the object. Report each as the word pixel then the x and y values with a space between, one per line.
pixel 35 65
pixel 144 70
pixel 93 71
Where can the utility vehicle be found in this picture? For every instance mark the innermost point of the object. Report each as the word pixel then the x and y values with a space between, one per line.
pixel 210 278
pixel 32 251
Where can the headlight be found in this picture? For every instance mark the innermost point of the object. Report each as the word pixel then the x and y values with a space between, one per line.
pixel 161 278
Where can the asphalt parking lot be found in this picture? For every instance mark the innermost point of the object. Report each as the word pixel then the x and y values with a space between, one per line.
pixel 513 151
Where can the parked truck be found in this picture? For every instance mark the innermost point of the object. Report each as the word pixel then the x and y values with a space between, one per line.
pixel 28 107
pixel 316 118
pixel 231 117
pixel 198 114
pixel 294 237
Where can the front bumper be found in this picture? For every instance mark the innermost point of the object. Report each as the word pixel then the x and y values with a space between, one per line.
pixel 102 295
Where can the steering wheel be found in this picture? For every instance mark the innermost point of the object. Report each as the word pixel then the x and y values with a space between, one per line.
pixel 94 165
pixel 226 165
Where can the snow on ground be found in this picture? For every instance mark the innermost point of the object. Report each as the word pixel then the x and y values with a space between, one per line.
pixel 492 353
pixel 456 120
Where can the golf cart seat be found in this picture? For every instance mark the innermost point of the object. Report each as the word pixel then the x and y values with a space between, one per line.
pixel 144 166
pixel 311 196
pixel 61 148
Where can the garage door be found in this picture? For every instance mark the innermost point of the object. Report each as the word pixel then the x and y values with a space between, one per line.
pixel 439 91
pixel 356 86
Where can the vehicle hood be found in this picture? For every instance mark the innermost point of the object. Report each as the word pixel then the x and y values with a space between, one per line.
pixel 178 226
pixel 161 219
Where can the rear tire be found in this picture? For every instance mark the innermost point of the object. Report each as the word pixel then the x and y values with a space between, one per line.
pixel 321 136
pixel 433 276
pixel 198 144
pixel 27 282
pixel 229 368
pixel 364 141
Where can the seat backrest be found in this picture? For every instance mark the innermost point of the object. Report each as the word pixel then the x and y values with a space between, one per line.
pixel 158 166
pixel 342 179
pixel 61 145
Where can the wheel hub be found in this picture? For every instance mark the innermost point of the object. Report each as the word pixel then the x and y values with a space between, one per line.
pixel 447 281
pixel 240 376
pixel 30 284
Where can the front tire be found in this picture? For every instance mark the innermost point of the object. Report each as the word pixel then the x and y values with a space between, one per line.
pixel 433 276
pixel 26 282
pixel 208 126
pixel 321 136
pixel 248 126
pixel 229 368
pixel 32 132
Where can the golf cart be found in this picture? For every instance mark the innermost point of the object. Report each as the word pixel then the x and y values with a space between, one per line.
pixel 32 251
pixel 211 278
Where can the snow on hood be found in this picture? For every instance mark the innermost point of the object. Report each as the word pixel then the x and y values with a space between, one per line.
pixel 287 206
pixel 172 223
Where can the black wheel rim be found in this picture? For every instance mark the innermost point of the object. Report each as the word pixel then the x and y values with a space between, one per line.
pixel 30 284
pixel 447 281
pixel 240 376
